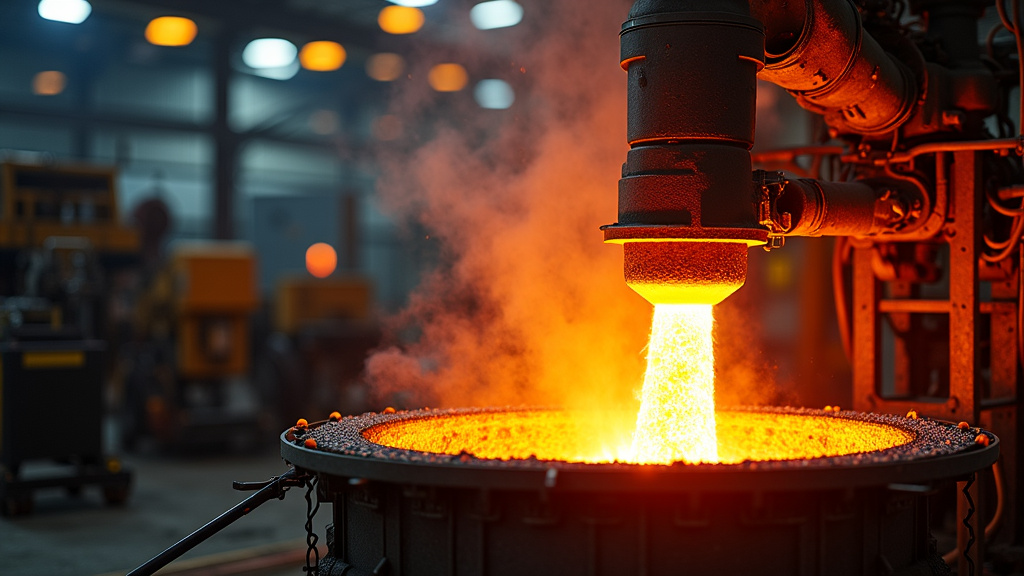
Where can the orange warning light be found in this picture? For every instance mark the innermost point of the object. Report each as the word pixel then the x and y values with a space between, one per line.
pixel 321 260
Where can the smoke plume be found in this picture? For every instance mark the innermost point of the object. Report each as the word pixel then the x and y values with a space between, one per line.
pixel 526 304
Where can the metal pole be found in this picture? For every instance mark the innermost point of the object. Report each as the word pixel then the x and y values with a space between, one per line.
pixel 275 489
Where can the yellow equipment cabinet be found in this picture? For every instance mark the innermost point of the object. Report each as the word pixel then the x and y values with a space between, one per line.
pixel 40 201
pixel 214 296
pixel 302 301
pixel 194 322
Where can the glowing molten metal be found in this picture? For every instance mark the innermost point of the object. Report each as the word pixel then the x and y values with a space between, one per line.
pixel 677 407
pixel 743 435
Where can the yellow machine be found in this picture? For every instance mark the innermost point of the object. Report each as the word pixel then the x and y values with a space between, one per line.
pixel 322 332
pixel 194 322
pixel 302 301
pixel 206 292
pixel 41 201
pixel 59 235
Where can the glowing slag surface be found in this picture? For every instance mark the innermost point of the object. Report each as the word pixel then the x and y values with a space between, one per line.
pixel 676 421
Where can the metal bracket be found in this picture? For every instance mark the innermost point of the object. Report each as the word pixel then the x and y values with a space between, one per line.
pixel 769 186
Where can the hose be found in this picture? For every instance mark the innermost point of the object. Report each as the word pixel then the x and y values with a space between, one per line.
pixel 993 524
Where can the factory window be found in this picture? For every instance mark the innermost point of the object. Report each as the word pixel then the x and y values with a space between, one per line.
pixel 178 93
pixel 50 137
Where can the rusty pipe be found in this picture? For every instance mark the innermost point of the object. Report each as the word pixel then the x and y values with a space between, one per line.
pixel 686 200
pixel 688 209
pixel 833 66
pixel 823 208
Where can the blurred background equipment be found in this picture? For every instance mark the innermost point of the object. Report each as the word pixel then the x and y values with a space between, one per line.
pixel 59 241
pixel 323 331
pixel 188 380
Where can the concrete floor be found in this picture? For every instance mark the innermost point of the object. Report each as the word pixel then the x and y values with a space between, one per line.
pixel 170 498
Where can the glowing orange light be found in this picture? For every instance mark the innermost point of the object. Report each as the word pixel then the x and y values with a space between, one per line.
pixel 171 31
pixel 400 19
pixel 49 83
pixel 321 260
pixel 322 56
pixel 677 405
pixel 448 77
pixel 385 67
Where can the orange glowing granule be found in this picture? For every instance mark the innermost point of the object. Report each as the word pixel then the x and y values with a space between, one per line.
pixel 334 417
pixel 389 410
pixel 963 425
pixel 677 405
pixel 310 443
pixel 301 423
pixel 912 414
pixel 981 439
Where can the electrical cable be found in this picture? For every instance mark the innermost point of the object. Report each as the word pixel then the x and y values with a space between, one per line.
pixel 997 517
pixel 840 254
pixel 1005 248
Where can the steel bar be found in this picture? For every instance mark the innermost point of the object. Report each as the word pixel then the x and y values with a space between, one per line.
pixel 273 490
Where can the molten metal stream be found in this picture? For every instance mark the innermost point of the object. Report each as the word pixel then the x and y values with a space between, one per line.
pixel 676 421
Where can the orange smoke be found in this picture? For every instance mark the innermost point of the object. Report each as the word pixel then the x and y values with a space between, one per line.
pixel 527 304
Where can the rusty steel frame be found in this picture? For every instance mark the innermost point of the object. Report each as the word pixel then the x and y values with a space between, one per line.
pixel 993 401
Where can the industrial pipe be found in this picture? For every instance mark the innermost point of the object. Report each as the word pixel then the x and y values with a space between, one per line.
pixel 688 208
pixel 822 208
pixel 685 192
pixel 833 67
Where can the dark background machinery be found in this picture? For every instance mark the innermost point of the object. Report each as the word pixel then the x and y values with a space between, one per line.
pixel 60 239
pixel 916 167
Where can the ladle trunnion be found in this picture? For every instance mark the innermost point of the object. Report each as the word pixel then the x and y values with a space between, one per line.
pixel 408 512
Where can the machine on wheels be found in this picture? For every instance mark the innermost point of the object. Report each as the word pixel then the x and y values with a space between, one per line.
pixel 58 235
pixel 37 424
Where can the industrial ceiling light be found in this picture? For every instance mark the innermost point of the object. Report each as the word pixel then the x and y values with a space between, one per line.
pixel 70 11
pixel 400 19
pixel 322 56
pixel 494 94
pixel 385 67
pixel 448 77
pixel 265 53
pixel 49 83
pixel 171 31
pixel 496 14
pixel 414 3
pixel 277 73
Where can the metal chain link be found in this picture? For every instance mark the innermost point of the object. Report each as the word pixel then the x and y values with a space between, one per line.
pixel 967 522
pixel 312 552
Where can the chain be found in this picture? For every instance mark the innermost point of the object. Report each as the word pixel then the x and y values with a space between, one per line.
pixel 312 553
pixel 967 522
